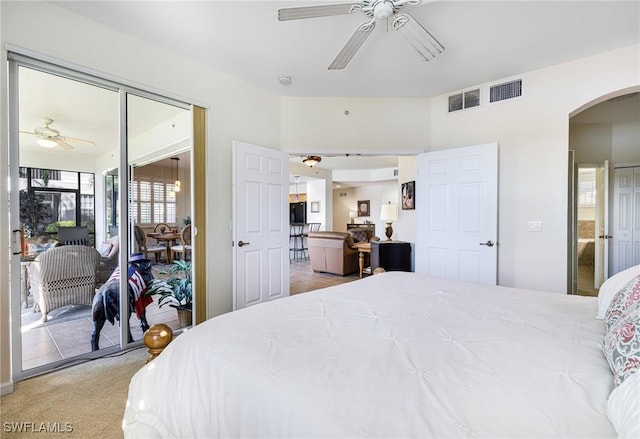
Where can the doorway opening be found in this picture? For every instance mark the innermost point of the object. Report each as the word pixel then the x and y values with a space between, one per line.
pixel 586 253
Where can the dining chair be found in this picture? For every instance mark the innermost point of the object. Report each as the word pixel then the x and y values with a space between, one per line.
pixel 146 248
pixel 161 228
pixel 184 247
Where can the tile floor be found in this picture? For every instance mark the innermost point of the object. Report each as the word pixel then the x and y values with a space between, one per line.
pixel 68 331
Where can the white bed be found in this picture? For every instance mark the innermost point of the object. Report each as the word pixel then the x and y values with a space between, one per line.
pixel 393 355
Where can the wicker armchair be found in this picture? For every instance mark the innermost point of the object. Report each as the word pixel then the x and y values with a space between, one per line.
pixel 64 276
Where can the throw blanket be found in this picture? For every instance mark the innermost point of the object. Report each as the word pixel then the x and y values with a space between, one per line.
pixel 137 288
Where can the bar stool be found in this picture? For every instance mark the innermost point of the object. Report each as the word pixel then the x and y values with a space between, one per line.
pixel 296 243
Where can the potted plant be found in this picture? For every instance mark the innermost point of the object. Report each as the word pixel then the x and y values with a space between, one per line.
pixel 175 291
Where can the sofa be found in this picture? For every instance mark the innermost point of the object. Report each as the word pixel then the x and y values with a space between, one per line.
pixel 332 252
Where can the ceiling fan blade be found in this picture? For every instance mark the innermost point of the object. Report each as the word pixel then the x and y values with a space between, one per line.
pixel 299 12
pixel 74 139
pixel 352 46
pixel 28 132
pixel 419 38
pixel 62 144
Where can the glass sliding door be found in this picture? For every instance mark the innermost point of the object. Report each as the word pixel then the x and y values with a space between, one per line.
pixel 101 198
pixel 65 128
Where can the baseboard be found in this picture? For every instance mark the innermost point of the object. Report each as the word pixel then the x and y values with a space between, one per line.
pixel 6 388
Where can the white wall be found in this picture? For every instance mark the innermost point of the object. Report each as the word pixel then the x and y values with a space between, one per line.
pixel 405 228
pixel 383 125
pixel 532 133
pixel 377 194
pixel 625 139
pixel 316 192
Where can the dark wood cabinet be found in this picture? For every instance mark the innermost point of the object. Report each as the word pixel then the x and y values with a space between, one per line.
pixel 391 255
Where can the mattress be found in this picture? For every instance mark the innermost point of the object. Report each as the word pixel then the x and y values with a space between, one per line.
pixel 392 355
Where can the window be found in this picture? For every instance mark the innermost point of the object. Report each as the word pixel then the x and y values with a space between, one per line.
pixel 153 201
pixel 51 198
pixel 586 187
pixel 468 99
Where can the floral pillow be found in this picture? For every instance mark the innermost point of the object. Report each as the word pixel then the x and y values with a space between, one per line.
pixel 622 301
pixel 621 345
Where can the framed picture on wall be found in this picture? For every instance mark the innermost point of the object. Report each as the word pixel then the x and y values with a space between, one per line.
pixel 364 208
pixel 408 195
pixel 315 206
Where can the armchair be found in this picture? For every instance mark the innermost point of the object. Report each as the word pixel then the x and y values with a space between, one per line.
pixel 64 276
pixel 332 252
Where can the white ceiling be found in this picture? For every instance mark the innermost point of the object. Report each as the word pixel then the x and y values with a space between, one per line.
pixel 484 41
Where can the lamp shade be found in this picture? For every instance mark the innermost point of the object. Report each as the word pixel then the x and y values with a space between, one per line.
pixel 353 214
pixel 389 212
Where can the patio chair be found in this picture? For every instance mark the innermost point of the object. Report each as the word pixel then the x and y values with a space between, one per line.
pixel 64 276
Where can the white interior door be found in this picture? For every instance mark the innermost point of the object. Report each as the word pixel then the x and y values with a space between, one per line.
pixel 601 267
pixel 457 211
pixel 260 224
pixel 626 219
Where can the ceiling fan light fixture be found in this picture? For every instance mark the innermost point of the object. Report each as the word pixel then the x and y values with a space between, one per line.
pixel 47 143
pixel 312 160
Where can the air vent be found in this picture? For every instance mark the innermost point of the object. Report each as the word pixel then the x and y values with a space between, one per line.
pixel 506 90
pixel 468 99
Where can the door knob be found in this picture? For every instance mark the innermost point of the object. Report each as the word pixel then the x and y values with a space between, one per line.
pixel 242 244
pixel 488 243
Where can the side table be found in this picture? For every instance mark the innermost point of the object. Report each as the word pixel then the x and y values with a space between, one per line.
pixel 391 255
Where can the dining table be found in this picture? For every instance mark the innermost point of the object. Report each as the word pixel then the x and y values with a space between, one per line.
pixel 169 238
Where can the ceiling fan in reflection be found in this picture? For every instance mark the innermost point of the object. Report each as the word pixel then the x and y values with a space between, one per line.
pixel 48 137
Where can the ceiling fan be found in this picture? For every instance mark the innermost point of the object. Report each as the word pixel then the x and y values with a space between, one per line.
pixel 50 138
pixel 375 10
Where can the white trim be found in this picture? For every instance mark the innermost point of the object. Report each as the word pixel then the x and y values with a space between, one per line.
pixel 6 388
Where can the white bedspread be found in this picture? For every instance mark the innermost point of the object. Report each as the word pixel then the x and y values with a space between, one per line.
pixel 393 355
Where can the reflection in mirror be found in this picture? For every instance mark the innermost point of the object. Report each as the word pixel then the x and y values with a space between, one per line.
pixel 159 154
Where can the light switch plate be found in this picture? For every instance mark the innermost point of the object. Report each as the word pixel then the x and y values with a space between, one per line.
pixel 534 226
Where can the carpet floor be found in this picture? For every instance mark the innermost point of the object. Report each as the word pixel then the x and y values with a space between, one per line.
pixel 86 401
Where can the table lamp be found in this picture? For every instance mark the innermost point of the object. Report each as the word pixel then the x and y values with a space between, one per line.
pixel 389 213
pixel 352 215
